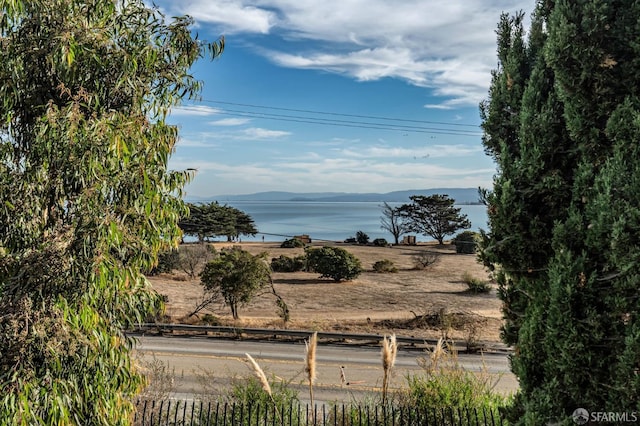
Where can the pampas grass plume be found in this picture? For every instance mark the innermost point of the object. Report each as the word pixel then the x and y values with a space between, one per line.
pixel 310 361
pixel 259 374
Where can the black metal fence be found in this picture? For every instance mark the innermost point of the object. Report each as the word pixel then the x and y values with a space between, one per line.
pixel 192 413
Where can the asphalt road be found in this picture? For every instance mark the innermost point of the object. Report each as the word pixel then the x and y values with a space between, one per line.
pixel 201 366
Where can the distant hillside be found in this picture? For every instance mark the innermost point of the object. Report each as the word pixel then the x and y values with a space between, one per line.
pixel 461 195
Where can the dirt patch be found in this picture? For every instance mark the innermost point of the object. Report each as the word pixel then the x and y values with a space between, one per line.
pixel 429 303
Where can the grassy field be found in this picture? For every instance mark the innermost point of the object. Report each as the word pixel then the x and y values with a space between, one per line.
pixel 430 303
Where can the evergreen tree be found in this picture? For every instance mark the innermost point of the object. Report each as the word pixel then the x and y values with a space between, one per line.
pixel 212 219
pixel 87 201
pixel 434 215
pixel 565 210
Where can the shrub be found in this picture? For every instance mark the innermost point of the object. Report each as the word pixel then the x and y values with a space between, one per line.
pixel 288 264
pixel 447 384
pixel 424 259
pixel 237 275
pixel 210 319
pixel 476 285
pixel 380 242
pixel 362 238
pixel 167 262
pixel 292 243
pixel 333 262
pixel 193 257
pixel 385 266
pixel 466 242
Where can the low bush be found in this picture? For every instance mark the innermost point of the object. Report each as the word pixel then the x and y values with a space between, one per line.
pixel 292 243
pixel 466 242
pixel 288 264
pixel 362 238
pixel 424 259
pixel 168 261
pixel 193 257
pixel 209 319
pixel 380 242
pixel 385 266
pixel 476 285
pixel 445 383
pixel 333 262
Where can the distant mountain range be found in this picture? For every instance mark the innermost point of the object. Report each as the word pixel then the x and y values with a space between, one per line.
pixel 461 195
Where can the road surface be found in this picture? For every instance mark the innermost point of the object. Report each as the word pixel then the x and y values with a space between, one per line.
pixel 201 365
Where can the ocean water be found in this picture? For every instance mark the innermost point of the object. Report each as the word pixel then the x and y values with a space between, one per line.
pixel 331 221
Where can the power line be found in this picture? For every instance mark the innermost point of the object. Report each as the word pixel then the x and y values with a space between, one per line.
pixel 344 123
pixel 339 114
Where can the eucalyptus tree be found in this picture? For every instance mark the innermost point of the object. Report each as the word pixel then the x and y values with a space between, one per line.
pixel 87 199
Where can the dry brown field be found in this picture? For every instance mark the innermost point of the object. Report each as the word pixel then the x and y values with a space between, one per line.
pixel 428 303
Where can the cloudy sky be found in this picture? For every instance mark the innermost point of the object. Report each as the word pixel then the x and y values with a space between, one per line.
pixel 339 95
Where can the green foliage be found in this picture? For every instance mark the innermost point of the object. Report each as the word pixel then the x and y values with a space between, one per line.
pixel 211 220
pixel 288 264
pixel 274 408
pixel 292 243
pixel 433 215
pixel 238 275
pixel 333 262
pixel 88 201
pixel 362 238
pixel 380 242
pixel 445 383
pixel 385 266
pixel 168 261
pixel 563 212
pixel 466 242
pixel 475 285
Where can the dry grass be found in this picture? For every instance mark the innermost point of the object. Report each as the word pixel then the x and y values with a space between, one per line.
pixel 389 353
pixel 400 303
pixel 257 370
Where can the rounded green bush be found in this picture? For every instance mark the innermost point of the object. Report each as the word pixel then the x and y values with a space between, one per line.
pixel 292 243
pixel 333 262
pixel 288 264
pixel 466 242
pixel 380 242
pixel 385 266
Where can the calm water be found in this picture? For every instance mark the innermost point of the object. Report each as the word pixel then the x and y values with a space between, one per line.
pixel 277 221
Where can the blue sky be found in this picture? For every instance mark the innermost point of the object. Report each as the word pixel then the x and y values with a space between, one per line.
pixel 339 95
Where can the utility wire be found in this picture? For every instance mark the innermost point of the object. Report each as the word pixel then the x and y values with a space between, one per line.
pixel 362 125
pixel 339 114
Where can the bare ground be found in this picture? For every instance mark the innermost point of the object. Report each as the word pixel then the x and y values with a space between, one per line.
pixel 429 303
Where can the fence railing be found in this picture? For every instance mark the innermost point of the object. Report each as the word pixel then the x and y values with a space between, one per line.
pixel 193 413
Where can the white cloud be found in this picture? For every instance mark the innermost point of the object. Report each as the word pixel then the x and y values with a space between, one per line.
pixel 231 16
pixel 192 143
pixel 260 133
pixel 194 110
pixel 434 151
pixel 446 45
pixel 230 122
pixel 330 175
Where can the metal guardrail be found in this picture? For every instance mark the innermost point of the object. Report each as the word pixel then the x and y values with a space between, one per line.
pixel 300 334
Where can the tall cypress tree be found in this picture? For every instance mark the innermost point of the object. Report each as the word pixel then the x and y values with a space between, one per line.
pixel 564 209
